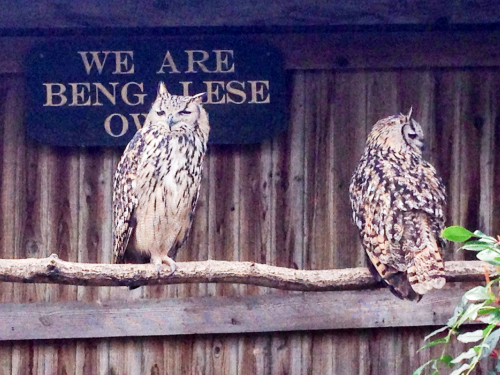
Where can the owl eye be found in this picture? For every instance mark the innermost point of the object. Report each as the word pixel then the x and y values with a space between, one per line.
pixel 412 135
pixel 160 113
pixel 184 112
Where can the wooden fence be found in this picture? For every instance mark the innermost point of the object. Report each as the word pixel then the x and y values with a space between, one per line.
pixel 283 202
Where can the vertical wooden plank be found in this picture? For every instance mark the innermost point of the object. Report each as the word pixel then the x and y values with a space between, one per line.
pixel 125 356
pixel 96 169
pixel 288 220
pixel 23 358
pixel 319 210
pixel 8 152
pixel 6 358
pixel 224 210
pixel 223 229
pixel 323 352
pixel 381 96
pixel 495 153
pixel 349 133
pixel 256 230
pixel 459 144
pixel 288 191
pixel 256 206
pixel 318 149
pixel 87 360
pixel 60 182
pixel 485 109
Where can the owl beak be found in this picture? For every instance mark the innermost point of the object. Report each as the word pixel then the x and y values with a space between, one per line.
pixel 170 120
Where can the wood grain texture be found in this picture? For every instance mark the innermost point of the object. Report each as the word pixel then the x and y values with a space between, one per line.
pixel 457 106
pixel 207 315
pixel 148 13
pixel 342 51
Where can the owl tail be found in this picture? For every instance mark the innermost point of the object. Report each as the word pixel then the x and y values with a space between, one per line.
pixel 426 272
pixel 396 281
pixel 425 267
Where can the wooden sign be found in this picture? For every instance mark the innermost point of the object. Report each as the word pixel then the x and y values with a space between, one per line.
pixel 98 93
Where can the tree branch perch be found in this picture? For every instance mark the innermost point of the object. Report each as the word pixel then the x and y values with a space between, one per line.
pixel 56 271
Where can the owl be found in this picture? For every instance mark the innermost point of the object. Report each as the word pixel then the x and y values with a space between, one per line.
pixel 398 206
pixel 157 181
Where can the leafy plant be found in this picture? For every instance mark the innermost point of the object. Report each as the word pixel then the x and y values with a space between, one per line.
pixel 480 304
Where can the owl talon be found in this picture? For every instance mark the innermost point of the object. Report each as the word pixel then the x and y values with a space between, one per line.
pixel 172 265
pixel 158 263
pixel 158 269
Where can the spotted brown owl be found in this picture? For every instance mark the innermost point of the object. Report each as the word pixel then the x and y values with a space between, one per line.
pixel 157 181
pixel 398 202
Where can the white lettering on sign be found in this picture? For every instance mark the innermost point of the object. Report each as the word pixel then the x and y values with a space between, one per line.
pixel 123 61
pixel 87 94
pixel 235 92
pixel 168 62
pixel 98 64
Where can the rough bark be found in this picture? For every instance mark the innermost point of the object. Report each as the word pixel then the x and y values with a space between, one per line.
pixel 57 271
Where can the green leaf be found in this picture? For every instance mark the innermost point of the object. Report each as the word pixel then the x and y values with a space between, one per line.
pixel 489 256
pixel 476 247
pixel 491 341
pixel 482 241
pixel 471 336
pixel 486 241
pixel 435 332
pixel 493 317
pixel 459 309
pixel 479 293
pixel 444 340
pixel 446 359
pixel 461 370
pixel 422 368
pixel 470 313
pixel 465 355
pixel 480 234
pixel 456 234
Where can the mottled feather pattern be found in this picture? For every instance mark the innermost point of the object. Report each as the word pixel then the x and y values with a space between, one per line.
pixel 125 195
pixel 398 206
pixel 158 179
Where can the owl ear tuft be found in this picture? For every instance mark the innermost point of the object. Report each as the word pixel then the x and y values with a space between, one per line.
pixel 409 113
pixel 162 89
pixel 199 98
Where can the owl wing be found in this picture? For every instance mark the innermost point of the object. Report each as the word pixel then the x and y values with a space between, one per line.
pixel 125 196
pixel 423 191
pixel 391 205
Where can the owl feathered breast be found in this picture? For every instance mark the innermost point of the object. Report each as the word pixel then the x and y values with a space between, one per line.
pixel 398 206
pixel 157 181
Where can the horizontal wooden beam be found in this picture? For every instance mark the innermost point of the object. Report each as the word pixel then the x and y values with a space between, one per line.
pixel 56 271
pixel 204 315
pixel 51 14
pixel 349 307
pixel 342 51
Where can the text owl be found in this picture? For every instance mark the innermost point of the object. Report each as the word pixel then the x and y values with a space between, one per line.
pixel 398 202
pixel 157 181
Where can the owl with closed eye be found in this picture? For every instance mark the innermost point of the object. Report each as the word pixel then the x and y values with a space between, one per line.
pixel 398 206
pixel 157 181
